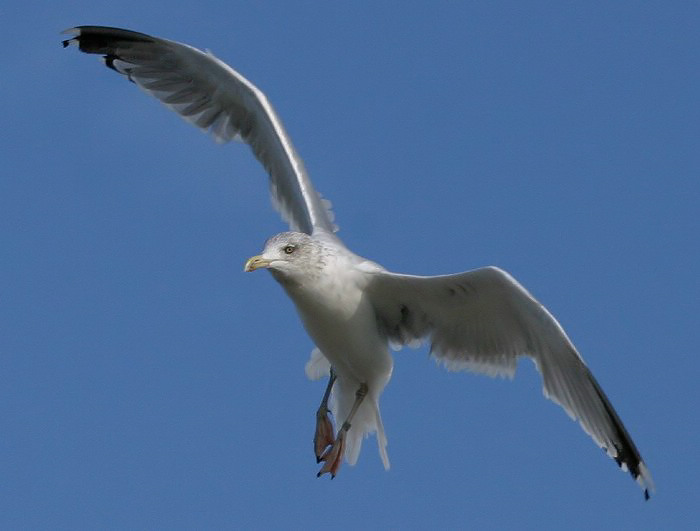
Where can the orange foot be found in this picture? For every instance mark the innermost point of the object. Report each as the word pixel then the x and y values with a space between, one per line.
pixel 323 437
pixel 333 456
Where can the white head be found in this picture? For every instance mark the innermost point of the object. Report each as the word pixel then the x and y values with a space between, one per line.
pixel 291 257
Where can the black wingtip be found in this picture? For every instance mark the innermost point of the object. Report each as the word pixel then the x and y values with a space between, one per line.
pixel 103 39
pixel 626 454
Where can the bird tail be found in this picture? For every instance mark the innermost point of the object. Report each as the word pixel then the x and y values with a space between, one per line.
pixel 367 420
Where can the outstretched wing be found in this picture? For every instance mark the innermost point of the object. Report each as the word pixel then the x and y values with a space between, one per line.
pixel 213 96
pixel 483 320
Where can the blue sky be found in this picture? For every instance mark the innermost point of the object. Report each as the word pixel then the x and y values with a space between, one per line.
pixel 147 382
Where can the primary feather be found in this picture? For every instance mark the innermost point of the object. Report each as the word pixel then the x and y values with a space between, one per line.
pixel 214 97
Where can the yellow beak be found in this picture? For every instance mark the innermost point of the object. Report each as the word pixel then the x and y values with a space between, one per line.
pixel 255 262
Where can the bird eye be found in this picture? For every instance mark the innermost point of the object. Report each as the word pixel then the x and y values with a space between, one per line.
pixel 289 249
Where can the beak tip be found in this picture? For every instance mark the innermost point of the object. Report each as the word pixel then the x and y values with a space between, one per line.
pixel 256 262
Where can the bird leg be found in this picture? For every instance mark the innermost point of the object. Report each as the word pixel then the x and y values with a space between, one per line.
pixel 333 456
pixel 324 428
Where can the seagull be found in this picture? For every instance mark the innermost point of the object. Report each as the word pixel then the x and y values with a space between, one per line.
pixel 355 310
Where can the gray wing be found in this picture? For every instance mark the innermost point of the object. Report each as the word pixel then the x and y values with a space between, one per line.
pixel 483 320
pixel 213 96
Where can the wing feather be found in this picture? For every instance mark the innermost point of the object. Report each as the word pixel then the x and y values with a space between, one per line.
pixel 483 320
pixel 214 97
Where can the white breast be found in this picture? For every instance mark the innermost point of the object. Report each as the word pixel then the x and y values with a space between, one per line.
pixel 343 324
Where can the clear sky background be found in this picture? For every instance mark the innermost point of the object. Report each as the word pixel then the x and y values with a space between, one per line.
pixel 147 382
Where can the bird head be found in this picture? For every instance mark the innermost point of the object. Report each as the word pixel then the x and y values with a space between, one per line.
pixel 290 256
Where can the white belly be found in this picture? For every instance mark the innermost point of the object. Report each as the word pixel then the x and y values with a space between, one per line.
pixel 347 335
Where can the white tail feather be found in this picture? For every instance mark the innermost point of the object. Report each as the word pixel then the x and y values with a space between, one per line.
pixel 367 420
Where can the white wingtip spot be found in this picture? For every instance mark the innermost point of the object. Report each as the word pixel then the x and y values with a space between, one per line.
pixel 393 345
pixel 71 42
pixel 644 479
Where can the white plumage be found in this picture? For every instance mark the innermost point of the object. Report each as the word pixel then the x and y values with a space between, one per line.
pixel 480 320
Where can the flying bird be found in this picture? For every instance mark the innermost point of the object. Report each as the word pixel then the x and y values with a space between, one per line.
pixel 481 320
